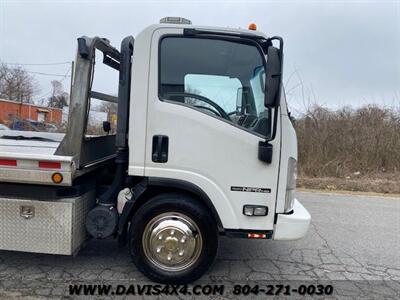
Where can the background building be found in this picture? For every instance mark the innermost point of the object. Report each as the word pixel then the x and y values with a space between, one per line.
pixel 11 110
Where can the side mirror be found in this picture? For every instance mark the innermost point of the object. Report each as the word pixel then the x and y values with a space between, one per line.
pixel 273 77
pixel 107 126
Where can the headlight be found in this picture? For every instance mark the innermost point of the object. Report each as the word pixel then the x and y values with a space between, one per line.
pixel 290 184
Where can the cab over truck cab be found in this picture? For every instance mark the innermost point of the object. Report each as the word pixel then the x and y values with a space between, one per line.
pixel 204 147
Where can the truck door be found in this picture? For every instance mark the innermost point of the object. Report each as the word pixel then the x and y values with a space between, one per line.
pixel 205 119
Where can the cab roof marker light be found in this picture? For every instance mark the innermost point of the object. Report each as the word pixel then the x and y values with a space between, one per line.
pixel 252 26
pixel 175 20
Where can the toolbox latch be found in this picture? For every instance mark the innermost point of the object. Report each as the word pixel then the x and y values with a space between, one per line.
pixel 27 212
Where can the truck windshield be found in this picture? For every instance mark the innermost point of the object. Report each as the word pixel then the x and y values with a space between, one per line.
pixel 222 78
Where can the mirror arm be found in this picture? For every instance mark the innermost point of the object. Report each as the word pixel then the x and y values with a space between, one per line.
pixel 277 38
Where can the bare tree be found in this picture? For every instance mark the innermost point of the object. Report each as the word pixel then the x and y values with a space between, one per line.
pixel 336 143
pixel 16 84
pixel 190 100
pixel 57 87
pixel 58 98
pixel 110 109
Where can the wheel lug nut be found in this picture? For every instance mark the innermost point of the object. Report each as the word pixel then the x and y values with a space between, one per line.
pixel 181 253
pixel 158 250
pixel 169 257
pixel 160 237
pixel 172 232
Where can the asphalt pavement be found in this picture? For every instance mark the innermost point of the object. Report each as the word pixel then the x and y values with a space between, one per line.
pixel 353 244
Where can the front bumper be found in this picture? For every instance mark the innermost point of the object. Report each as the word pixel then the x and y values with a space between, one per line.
pixel 292 226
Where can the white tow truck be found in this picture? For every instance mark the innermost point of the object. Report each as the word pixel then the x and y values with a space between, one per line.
pixel 204 147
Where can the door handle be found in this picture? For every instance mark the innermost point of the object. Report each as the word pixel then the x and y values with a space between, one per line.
pixel 160 149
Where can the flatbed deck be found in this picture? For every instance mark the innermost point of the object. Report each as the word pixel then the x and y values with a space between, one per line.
pixel 28 157
pixel 29 142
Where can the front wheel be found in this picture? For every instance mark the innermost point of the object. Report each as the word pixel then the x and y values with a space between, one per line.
pixel 173 238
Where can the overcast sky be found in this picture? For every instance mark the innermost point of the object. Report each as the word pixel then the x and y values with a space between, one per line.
pixel 344 53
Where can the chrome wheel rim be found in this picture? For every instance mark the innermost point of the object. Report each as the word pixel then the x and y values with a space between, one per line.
pixel 172 241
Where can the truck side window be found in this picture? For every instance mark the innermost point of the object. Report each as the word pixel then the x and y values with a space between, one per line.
pixel 222 78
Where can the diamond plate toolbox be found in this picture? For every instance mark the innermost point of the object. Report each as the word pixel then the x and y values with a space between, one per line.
pixel 53 227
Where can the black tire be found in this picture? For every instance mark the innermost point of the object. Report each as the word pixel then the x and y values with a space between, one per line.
pixel 178 203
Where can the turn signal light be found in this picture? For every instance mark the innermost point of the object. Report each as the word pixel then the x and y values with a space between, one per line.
pixel 256 235
pixel 57 177
pixel 255 210
pixel 252 26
